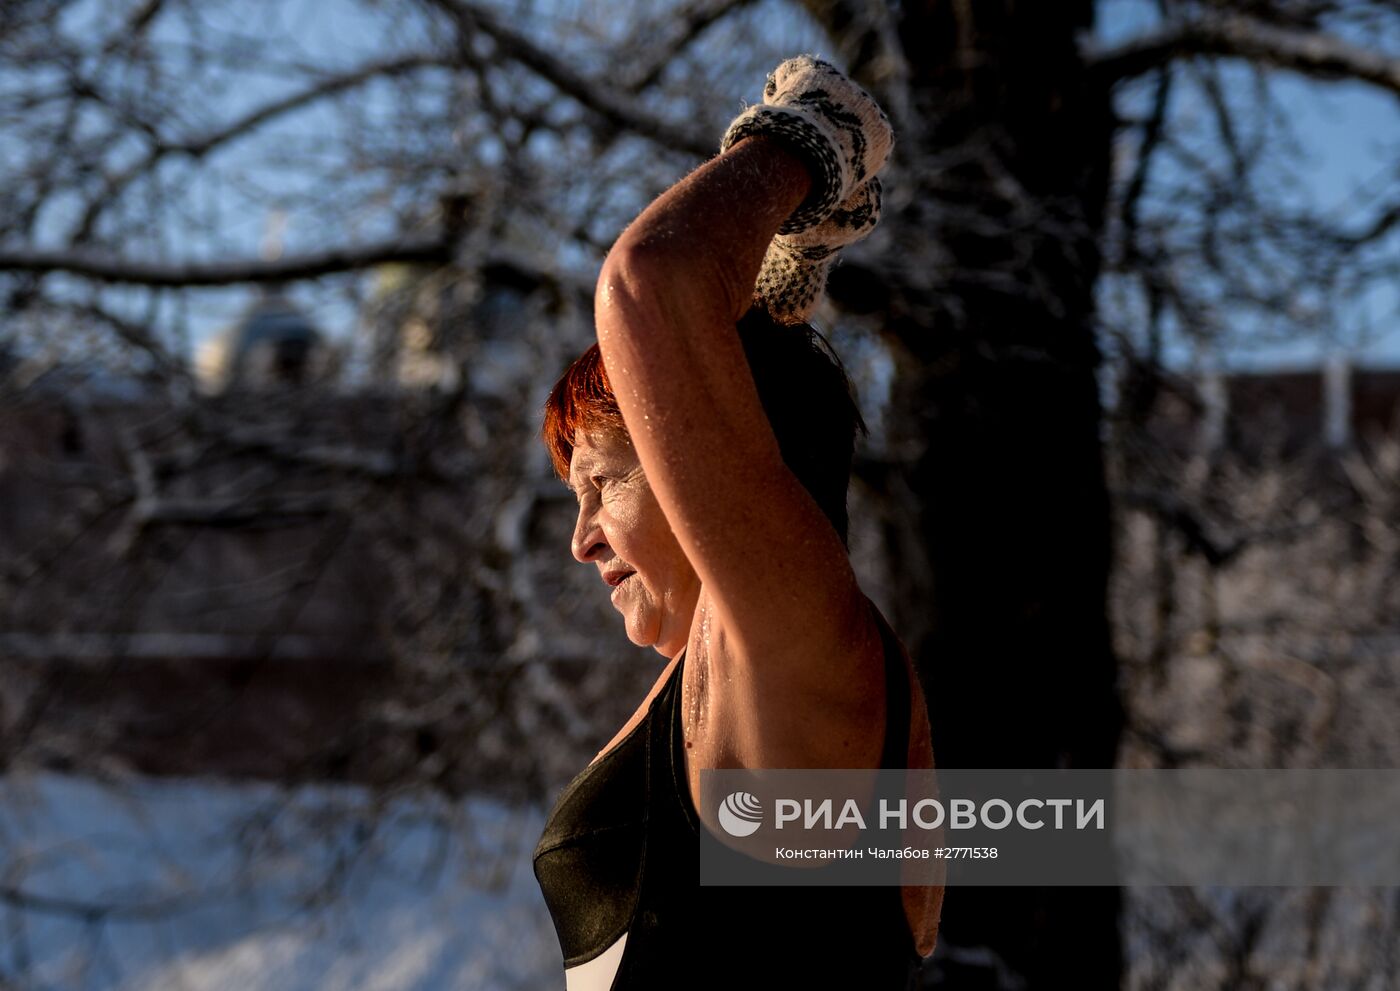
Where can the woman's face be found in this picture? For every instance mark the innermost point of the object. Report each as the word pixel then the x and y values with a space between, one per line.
pixel 621 529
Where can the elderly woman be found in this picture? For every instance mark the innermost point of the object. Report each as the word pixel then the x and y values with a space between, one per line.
pixel 708 439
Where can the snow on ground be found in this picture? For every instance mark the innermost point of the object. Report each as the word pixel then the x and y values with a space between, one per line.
pixel 196 885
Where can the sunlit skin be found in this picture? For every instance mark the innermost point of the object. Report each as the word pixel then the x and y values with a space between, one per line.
pixel 621 529
pixel 736 567
pixel 791 643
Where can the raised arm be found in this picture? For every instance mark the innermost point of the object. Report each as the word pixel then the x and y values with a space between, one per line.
pixel 793 625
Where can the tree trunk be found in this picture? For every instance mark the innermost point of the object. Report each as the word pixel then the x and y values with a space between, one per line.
pixel 1004 153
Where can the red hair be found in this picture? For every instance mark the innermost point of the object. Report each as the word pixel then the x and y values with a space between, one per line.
pixel 582 399
pixel 804 390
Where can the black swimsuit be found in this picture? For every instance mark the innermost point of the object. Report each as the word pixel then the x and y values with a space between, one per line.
pixel 620 857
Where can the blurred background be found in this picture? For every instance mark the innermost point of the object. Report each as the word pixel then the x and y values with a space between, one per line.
pixel 293 655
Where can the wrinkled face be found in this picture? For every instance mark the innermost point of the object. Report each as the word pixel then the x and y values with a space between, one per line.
pixel 622 530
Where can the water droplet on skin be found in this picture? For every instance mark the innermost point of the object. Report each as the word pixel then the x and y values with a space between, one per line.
pixel 694 700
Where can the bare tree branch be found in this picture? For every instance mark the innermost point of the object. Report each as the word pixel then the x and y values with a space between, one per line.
pixel 92 910
pixel 106 268
pixel 134 334
pixel 1186 521
pixel 691 23
pixel 231 512
pixel 1151 139
pixel 1382 226
pixel 1311 53
pixel 204 144
pixel 603 101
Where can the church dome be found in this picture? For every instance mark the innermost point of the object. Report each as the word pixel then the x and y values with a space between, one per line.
pixel 274 344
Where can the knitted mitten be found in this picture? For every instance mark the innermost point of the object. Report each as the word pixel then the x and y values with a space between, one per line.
pixel 792 279
pixel 834 125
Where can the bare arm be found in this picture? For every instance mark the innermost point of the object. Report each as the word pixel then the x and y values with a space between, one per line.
pixel 801 646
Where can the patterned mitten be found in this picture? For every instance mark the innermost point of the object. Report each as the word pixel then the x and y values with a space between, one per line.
pixel 792 280
pixel 834 125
